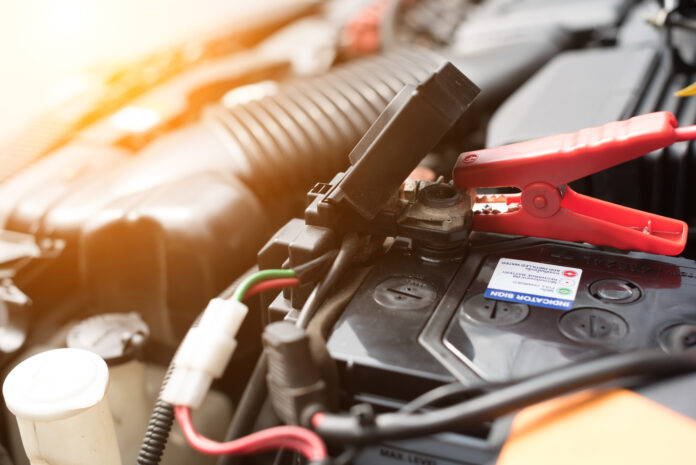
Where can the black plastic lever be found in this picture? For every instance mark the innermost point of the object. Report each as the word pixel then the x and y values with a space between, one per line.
pixel 408 128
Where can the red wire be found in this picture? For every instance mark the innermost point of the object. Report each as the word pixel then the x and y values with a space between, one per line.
pixel 685 133
pixel 293 438
pixel 271 284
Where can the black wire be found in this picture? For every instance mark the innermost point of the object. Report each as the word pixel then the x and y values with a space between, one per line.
pixel 459 390
pixel 441 393
pixel 347 456
pixel 686 23
pixel 250 404
pixel 349 247
pixel 349 429
pixel 312 266
pixel 256 391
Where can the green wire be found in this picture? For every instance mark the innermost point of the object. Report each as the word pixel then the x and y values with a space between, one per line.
pixel 259 276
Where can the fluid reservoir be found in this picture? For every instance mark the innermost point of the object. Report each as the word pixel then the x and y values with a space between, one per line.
pixel 118 339
pixel 59 399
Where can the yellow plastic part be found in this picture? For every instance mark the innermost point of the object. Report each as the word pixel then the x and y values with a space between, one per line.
pixel 687 91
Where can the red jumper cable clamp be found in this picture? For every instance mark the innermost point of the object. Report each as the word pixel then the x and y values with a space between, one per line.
pixel 548 208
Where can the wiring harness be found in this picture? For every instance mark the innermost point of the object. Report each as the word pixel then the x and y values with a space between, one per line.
pixel 204 354
pixel 206 351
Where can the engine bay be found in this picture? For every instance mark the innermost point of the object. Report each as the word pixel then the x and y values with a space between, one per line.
pixel 363 232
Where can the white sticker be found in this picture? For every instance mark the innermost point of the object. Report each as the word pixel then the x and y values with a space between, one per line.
pixel 534 283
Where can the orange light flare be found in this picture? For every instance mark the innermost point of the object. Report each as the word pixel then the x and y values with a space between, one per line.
pixel 46 46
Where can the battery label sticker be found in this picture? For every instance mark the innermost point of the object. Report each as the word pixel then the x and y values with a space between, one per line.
pixel 534 283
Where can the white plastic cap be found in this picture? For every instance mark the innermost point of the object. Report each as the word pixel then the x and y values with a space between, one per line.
pixel 56 384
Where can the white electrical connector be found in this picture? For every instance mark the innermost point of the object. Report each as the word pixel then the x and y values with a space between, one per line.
pixel 204 353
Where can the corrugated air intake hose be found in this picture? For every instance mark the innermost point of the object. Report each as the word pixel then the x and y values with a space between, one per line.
pixel 302 131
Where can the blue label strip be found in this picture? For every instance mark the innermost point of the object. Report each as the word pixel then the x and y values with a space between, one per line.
pixel 529 299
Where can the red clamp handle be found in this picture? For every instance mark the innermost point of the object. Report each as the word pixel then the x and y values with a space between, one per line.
pixel 538 167
pixel 578 218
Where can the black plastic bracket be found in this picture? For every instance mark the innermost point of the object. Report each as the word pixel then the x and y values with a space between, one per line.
pixel 365 197
pixel 408 128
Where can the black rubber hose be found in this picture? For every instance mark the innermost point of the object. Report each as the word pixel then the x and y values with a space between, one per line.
pixel 348 429
pixel 158 428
